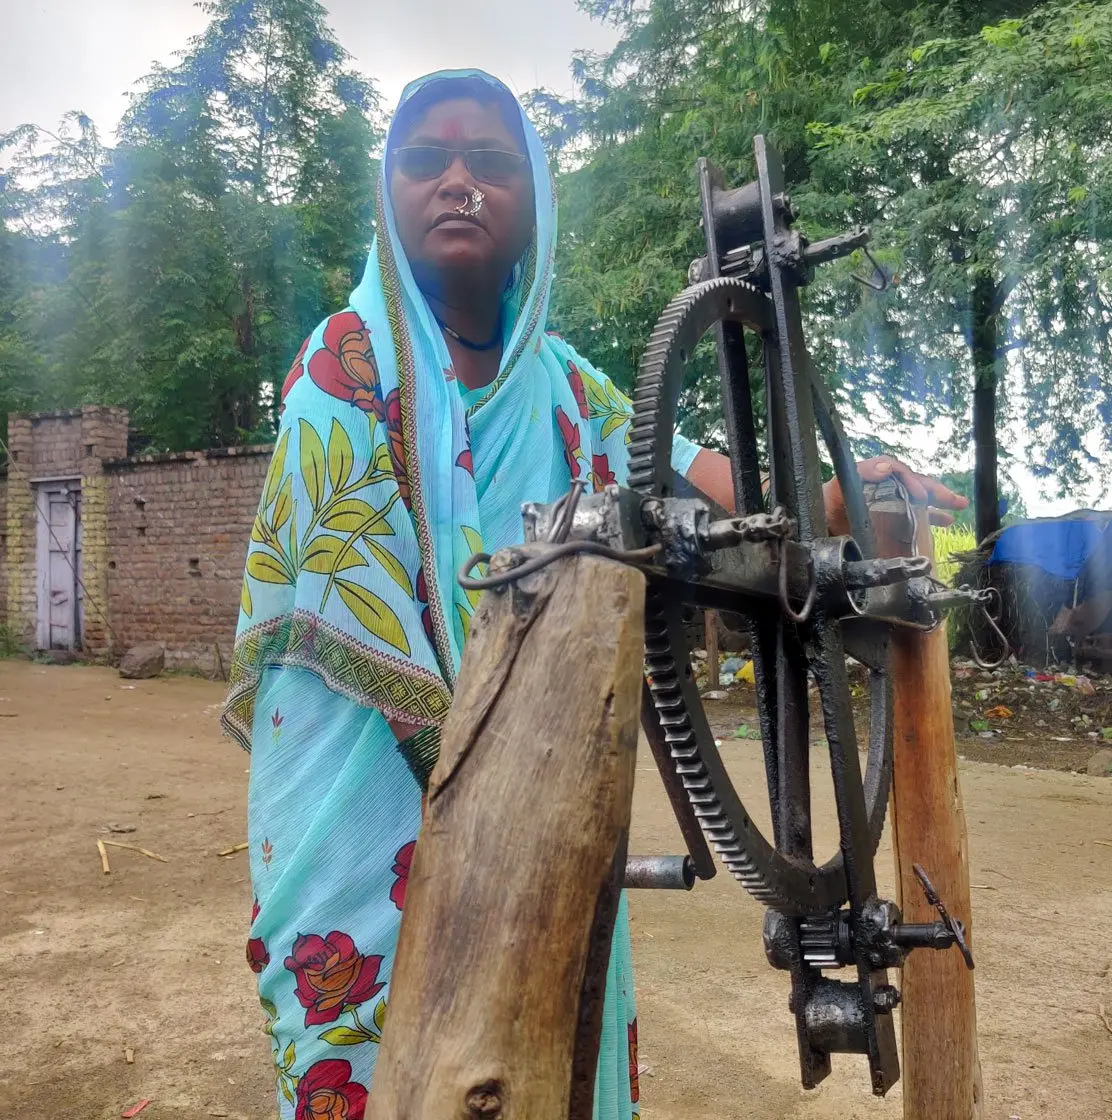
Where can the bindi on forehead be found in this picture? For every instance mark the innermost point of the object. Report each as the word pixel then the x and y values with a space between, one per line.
pixel 462 123
pixel 450 130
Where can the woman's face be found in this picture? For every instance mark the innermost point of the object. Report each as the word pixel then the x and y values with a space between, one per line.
pixel 440 243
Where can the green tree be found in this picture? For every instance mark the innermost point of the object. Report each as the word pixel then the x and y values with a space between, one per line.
pixel 885 115
pixel 178 273
pixel 986 159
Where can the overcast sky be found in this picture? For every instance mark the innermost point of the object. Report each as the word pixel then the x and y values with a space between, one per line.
pixel 86 54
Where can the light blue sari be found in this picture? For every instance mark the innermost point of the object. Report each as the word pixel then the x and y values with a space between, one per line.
pixel 386 476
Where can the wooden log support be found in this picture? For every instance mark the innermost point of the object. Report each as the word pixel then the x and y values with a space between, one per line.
pixel 941 1067
pixel 710 627
pixel 496 992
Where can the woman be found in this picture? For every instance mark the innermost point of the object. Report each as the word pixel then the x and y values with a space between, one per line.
pixel 416 424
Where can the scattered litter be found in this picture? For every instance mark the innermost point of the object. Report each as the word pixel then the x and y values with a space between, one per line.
pixel 135 848
pixel 104 865
pixel 978 725
pixel 233 849
pixel 127 688
pixel 120 827
pixel 747 674
pixel 714 695
pixel 981 694
pixel 1053 705
pixel 1001 711
pixel 135 1109
pixel 129 1055
pixel 746 732
pixel 1062 739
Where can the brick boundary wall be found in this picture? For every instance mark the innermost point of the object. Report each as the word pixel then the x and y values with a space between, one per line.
pixel 3 549
pixel 178 528
pixel 164 537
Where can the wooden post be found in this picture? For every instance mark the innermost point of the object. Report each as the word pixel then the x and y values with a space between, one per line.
pixel 941 1067
pixel 496 993
pixel 710 625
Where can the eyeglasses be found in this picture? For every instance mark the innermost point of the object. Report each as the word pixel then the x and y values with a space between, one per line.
pixel 487 165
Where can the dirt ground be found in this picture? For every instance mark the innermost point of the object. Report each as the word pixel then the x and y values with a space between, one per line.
pixel 151 959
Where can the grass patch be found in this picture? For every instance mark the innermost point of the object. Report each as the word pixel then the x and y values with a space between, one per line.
pixel 11 645
pixel 948 540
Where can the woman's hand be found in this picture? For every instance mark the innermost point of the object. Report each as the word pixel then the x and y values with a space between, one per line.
pixel 710 473
pixel 920 488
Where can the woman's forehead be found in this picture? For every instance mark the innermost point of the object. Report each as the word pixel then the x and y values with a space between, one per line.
pixel 461 120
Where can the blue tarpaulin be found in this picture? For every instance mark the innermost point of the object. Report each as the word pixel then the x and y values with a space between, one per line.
pixel 1058 547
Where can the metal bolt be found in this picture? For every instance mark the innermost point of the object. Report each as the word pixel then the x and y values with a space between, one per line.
pixel 886 999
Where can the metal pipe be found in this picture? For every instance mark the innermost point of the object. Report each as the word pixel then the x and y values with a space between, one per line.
pixel 668 873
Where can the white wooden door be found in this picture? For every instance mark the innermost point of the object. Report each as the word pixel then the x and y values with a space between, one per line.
pixel 58 560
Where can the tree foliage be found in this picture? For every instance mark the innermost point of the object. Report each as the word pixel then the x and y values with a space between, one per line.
pixel 972 137
pixel 177 272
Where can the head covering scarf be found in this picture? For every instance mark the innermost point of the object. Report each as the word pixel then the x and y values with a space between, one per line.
pixel 387 476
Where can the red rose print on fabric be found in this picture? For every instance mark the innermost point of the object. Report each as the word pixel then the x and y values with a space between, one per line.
pixel 255 908
pixel 297 368
pixel 327 1092
pixel 331 974
pixel 575 379
pixel 344 367
pixel 257 956
pixel 569 432
pixel 634 1086
pixel 402 862
pixel 465 461
pixel 422 591
pixel 601 474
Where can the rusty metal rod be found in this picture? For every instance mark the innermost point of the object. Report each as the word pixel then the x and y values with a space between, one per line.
pixel 668 873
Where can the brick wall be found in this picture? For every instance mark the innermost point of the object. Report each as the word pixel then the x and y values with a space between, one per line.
pixel 103 439
pixel 58 445
pixel 3 550
pixel 177 533
pixel 20 546
pixel 163 536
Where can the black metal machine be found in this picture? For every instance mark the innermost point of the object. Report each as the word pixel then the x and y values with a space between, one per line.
pixel 811 601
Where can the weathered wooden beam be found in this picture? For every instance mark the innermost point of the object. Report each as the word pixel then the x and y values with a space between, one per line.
pixel 941 1067
pixel 496 992
pixel 710 626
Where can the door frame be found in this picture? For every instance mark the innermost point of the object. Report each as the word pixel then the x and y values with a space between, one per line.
pixel 70 486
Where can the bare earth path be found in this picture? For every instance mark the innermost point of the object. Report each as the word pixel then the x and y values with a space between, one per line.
pixel 151 957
